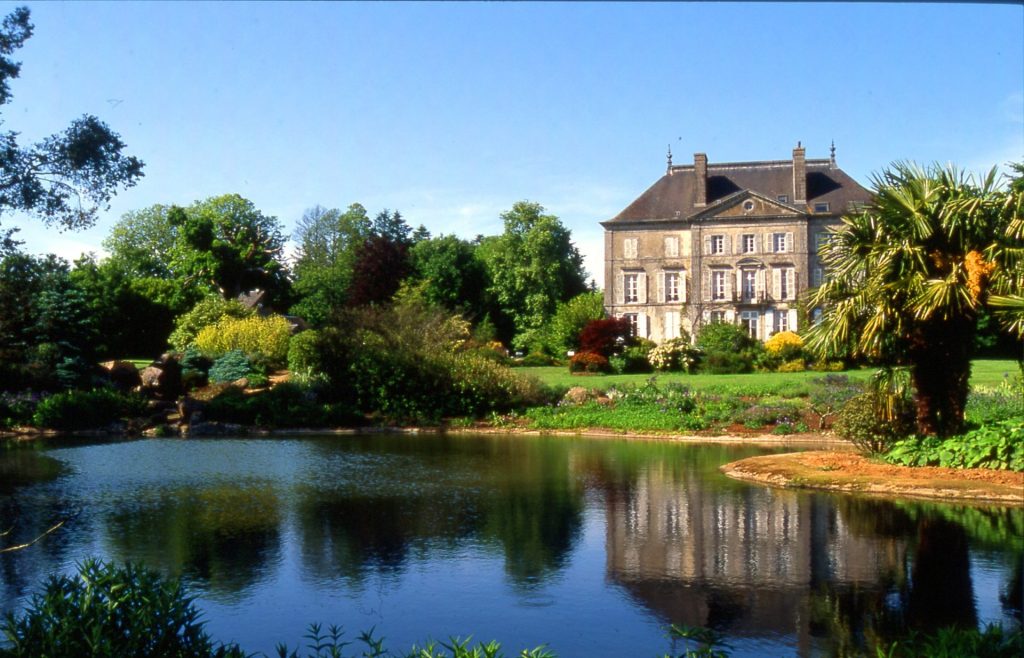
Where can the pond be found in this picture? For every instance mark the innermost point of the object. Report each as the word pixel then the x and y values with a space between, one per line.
pixel 591 546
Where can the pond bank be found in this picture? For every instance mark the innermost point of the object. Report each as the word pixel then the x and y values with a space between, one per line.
pixel 849 472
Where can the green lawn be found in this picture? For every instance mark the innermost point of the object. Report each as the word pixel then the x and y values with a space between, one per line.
pixel 985 372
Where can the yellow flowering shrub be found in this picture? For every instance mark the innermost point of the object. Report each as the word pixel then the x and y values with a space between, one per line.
pixel 785 345
pixel 265 337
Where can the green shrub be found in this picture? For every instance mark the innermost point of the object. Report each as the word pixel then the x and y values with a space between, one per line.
pixel 991 404
pixel 862 423
pixel 536 360
pixel 588 362
pixel 997 445
pixel 257 336
pixel 727 348
pixel 108 611
pixel 81 410
pixel 193 359
pixel 302 352
pixel 17 408
pixel 285 405
pixel 207 312
pixel 634 359
pixel 231 367
pixel 796 365
pixel 992 642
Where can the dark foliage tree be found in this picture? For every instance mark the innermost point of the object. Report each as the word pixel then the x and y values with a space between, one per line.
pixel 66 178
pixel 47 334
pixel 383 260
pixel 329 242
pixel 605 337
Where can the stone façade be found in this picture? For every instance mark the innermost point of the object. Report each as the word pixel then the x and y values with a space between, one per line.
pixel 730 242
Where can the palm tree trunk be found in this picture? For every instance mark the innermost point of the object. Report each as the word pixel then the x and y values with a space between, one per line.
pixel 941 356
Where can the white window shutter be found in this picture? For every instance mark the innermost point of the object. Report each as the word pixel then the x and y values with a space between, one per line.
pixel 641 287
pixel 641 325
pixel 739 281
pixel 776 283
pixel 707 245
pixel 792 320
pixel 661 286
pixel 728 286
pixel 768 243
pixel 769 320
pixel 791 283
pixel 682 287
pixel 730 316
pixel 620 287
pixel 789 242
pixel 759 284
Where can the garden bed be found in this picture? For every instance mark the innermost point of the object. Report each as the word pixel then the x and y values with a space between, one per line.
pixel 853 473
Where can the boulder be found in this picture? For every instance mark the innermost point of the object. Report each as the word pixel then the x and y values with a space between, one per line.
pixel 123 375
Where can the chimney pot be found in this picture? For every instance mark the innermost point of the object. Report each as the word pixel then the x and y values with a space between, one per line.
pixel 799 175
pixel 700 170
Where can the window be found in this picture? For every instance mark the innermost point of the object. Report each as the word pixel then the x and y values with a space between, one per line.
pixel 717 317
pixel 749 279
pixel 783 283
pixel 749 243
pixel 632 283
pixel 748 205
pixel 780 243
pixel 781 321
pixel 672 247
pixel 821 207
pixel 820 240
pixel 672 287
pixel 629 248
pixel 817 276
pixel 749 321
pixel 782 198
pixel 816 316
pixel 717 244
pixel 671 329
pixel 718 285
pixel 633 322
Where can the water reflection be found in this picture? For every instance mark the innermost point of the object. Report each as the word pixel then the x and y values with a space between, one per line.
pixel 279 523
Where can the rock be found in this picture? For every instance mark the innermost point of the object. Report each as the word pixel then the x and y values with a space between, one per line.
pixel 122 374
pixel 190 409
pixel 577 395
pixel 162 379
pixel 242 383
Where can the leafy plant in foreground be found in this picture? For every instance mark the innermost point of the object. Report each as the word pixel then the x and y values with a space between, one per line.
pixel 109 611
pixel 997 446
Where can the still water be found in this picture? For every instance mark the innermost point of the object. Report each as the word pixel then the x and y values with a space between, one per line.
pixel 590 546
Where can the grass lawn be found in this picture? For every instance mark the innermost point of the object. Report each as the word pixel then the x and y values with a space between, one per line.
pixel 985 372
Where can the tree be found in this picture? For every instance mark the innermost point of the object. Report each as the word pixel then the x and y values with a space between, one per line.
pixel 563 333
pixel 141 242
pixel 908 275
pixel 228 245
pixel 533 266
pixel 383 261
pixel 67 177
pixel 47 335
pixel 329 242
pixel 453 274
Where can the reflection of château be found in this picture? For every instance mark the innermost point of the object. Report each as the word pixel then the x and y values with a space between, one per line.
pixel 743 560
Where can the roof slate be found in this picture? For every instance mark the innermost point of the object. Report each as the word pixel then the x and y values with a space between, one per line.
pixel 672 196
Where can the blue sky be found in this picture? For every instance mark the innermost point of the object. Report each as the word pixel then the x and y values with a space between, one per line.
pixel 453 112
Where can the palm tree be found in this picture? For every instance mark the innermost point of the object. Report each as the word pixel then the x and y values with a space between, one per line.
pixel 908 274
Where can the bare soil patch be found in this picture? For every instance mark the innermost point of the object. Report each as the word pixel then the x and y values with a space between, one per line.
pixel 850 472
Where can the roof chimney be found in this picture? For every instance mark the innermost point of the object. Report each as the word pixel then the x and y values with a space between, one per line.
pixel 700 170
pixel 799 175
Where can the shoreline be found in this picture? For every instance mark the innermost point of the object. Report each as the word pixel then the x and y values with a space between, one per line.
pixel 851 473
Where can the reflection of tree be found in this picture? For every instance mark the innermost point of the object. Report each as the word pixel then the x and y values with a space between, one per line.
pixel 224 536
pixel 520 495
pixel 536 522
pixel 941 593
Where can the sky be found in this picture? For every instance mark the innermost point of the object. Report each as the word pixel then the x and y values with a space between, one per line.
pixel 452 112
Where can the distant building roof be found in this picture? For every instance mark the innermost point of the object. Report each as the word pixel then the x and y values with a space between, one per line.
pixel 674 195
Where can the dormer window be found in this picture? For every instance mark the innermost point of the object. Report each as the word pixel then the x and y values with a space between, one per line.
pixel 782 198
pixel 821 207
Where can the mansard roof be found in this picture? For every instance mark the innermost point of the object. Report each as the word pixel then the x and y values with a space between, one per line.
pixel 673 196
